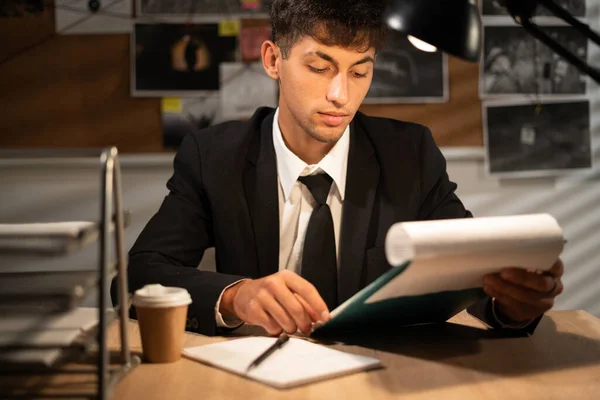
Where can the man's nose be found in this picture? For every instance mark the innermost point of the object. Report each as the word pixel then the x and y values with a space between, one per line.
pixel 338 90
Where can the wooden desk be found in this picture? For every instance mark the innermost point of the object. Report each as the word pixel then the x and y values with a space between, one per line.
pixel 458 361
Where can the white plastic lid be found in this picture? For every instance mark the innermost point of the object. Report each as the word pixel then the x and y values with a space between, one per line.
pixel 157 295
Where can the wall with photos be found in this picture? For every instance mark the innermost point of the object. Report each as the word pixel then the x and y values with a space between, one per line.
pixel 76 78
pixel 536 108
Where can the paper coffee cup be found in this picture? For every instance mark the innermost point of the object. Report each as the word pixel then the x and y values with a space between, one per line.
pixel 161 313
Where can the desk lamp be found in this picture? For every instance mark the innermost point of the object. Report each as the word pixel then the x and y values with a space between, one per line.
pixel 454 26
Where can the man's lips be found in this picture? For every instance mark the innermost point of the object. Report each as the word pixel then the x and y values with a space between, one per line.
pixel 333 119
pixel 335 114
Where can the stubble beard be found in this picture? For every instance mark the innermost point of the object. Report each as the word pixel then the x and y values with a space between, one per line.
pixel 312 131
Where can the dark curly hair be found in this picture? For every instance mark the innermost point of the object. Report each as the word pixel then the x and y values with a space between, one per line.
pixel 351 24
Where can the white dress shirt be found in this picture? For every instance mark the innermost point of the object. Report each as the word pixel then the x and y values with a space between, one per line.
pixel 296 202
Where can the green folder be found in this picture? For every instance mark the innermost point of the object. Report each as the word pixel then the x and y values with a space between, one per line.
pixel 356 315
pixel 474 246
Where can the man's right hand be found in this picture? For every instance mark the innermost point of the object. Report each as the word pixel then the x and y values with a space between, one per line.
pixel 280 302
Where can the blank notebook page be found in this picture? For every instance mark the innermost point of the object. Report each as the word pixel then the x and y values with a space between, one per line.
pixel 297 362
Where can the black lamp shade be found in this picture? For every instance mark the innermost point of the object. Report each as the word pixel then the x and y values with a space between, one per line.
pixel 453 26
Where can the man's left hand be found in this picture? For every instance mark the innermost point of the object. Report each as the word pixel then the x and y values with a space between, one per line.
pixel 523 295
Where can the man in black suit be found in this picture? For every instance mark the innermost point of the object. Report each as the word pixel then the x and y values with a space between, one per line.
pixel 298 200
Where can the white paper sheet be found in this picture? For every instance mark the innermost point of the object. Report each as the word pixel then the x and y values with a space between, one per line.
pixel 56 330
pixel 76 17
pixel 82 319
pixel 455 254
pixel 67 228
pixel 297 362
pixel 53 237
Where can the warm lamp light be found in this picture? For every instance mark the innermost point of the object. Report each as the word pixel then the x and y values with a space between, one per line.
pixel 453 26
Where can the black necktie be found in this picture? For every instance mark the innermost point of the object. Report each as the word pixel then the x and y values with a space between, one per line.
pixel 319 261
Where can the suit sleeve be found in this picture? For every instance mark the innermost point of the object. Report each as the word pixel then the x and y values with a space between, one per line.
pixel 170 247
pixel 439 201
pixel 438 198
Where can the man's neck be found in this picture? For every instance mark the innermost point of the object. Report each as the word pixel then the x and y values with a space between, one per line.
pixel 308 149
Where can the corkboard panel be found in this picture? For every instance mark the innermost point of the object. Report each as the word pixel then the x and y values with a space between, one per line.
pixel 74 91
pixel 457 122
pixel 70 91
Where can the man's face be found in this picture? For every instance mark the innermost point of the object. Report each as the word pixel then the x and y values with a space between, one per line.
pixel 501 65
pixel 322 87
pixel 560 68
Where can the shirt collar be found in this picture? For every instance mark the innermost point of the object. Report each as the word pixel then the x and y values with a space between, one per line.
pixel 290 166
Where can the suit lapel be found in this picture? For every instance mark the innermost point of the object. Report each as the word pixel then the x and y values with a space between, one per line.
pixel 262 196
pixel 362 178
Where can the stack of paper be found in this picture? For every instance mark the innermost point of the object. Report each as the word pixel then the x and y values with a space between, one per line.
pixel 455 254
pixel 51 237
pixel 47 335
pixel 55 237
pixel 438 268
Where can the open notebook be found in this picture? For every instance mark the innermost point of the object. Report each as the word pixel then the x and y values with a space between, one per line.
pixel 298 362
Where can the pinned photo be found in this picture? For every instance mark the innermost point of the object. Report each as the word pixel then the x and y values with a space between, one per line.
pixel 22 8
pixel 577 8
pixel 406 74
pixel 180 59
pixel 253 34
pixel 244 88
pixel 187 8
pixel 533 139
pixel 93 17
pixel 514 62
pixel 183 116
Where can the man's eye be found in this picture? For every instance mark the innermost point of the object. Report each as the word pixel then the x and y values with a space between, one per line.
pixel 317 70
pixel 356 74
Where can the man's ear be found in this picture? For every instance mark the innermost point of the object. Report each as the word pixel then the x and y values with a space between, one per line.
pixel 271 59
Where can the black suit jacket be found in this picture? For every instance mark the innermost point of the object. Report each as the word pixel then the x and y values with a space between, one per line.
pixel 224 194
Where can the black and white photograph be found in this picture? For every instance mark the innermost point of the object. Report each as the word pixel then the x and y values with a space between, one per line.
pixel 22 8
pixel 577 8
pixel 186 8
pixel 179 59
pixel 534 139
pixel 189 116
pixel 514 62
pixel 244 88
pixel 405 74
